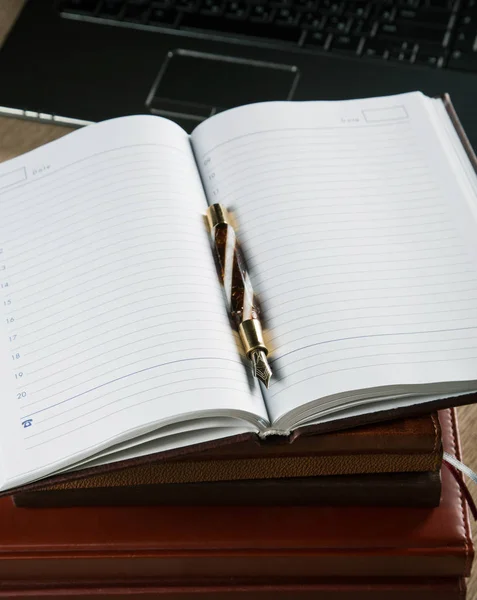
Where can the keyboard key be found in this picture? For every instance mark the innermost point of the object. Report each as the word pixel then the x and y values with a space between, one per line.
pixel 305 5
pixel 442 4
pixel 463 62
pixel 212 8
pixel 375 48
pixel 465 42
pixel 260 14
pixel 162 3
pixel 467 23
pixel 430 56
pixel 287 17
pixel 412 4
pixel 427 18
pixel 331 7
pixel 410 31
pixel 236 10
pixel 345 43
pixel 401 51
pixel 338 25
pixel 187 5
pixel 408 14
pixel 361 27
pixel 359 9
pixel 384 14
pixel 316 39
pixel 311 20
pixel 281 3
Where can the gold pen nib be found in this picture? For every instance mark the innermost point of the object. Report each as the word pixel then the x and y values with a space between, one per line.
pixel 260 367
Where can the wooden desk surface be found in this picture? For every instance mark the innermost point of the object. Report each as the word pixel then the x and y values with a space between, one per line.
pixel 18 136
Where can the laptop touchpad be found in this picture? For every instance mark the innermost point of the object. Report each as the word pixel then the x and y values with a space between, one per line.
pixel 192 86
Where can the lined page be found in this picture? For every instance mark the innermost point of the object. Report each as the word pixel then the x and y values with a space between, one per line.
pixel 112 318
pixel 360 242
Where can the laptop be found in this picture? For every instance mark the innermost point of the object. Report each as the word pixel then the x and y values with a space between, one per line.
pixel 82 61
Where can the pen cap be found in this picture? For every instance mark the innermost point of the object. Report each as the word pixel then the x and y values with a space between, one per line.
pixel 217 215
pixel 251 335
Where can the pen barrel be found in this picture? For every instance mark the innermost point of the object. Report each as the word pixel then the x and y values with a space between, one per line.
pixel 251 335
pixel 238 291
pixel 232 271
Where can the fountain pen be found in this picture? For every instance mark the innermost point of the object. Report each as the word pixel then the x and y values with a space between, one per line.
pixel 238 290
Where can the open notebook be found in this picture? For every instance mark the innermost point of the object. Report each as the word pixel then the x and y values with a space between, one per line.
pixel 358 220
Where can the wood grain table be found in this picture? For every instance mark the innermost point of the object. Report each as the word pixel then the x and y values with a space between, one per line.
pixel 17 136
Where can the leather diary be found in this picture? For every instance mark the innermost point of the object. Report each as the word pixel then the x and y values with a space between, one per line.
pixel 387 464
pixel 383 489
pixel 248 545
pixel 411 447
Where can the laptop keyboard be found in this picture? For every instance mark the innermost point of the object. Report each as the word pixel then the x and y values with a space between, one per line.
pixel 435 33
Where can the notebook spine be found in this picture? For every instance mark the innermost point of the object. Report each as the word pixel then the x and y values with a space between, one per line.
pixel 460 130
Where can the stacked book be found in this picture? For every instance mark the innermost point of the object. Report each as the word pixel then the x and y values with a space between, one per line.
pixel 193 552
pixel 390 464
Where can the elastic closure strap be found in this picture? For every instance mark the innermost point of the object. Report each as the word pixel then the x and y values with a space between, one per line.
pixel 456 468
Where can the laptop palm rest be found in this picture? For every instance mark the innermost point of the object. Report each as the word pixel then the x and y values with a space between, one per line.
pixel 192 86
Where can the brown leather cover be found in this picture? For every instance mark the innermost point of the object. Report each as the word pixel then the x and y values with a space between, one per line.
pixel 388 489
pixel 381 588
pixel 404 446
pixel 207 545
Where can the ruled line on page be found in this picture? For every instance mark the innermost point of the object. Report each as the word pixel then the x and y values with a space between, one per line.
pixel 189 238
pixel 313 180
pixel 150 256
pixel 228 374
pixel 258 200
pixel 262 209
pixel 157 278
pixel 370 269
pixel 283 131
pixel 133 229
pixel 340 252
pixel 215 335
pixel 194 389
pixel 122 377
pixel 93 328
pixel 374 326
pixel 396 289
pixel 18 193
pixel 47 235
pixel 111 246
pixel 41 355
pixel 327 164
pixel 131 344
pixel 144 310
pixel 210 377
pixel 120 296
pixel 295 379
pixel 322 349
pixel 368 305
pixel 61 199
pixel 382 364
